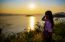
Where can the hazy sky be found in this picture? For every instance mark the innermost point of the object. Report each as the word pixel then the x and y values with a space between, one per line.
pixel 31 6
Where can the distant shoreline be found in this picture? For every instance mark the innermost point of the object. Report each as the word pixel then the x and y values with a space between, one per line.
pixel 20 14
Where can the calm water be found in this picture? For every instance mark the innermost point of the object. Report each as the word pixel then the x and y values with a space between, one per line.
pixel 17 23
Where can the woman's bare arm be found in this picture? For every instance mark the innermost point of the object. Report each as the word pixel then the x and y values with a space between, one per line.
pixel 43 19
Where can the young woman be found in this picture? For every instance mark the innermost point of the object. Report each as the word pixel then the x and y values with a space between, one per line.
pixel 48 26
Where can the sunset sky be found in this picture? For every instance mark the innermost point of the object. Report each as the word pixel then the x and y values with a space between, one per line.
pixel 31 6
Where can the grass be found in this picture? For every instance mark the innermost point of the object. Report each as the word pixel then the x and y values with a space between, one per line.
pixel 36 36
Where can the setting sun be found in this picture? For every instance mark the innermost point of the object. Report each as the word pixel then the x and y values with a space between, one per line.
pixel 31 6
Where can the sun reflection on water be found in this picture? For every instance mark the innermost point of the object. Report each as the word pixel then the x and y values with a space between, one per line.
pixel 31 23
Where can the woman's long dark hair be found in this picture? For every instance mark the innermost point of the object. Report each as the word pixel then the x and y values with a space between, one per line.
pixel 50 17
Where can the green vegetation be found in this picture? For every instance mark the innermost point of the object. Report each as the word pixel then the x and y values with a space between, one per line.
pixel 59 32
pixel 36 36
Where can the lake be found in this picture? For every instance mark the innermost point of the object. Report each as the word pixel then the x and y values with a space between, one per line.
pixel 20 23
pixel 17 23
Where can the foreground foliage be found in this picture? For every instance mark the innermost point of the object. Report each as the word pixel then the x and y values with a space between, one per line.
pixel 35 36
